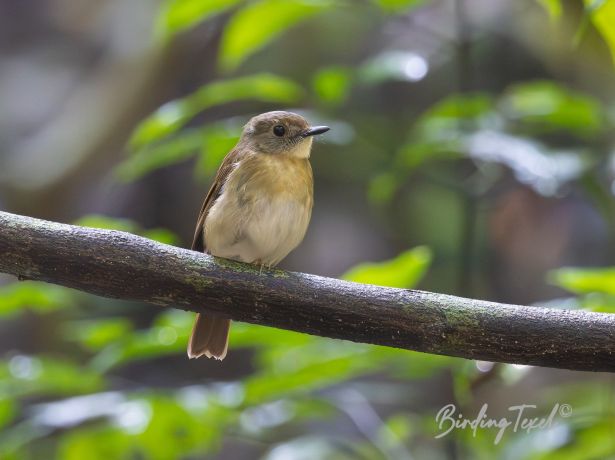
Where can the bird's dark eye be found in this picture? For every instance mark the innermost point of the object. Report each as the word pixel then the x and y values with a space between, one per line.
pixel 279 130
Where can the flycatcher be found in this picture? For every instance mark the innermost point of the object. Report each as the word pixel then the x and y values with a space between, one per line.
pixel 257 209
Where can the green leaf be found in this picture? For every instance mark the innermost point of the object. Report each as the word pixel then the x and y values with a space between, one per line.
pixel 304 364
pixel 585 280
pixel 248 335
pixel 153 427
pixel 553 7
pixel 414 154
pixel 32 295
pixel 404 271
pixel 254 26
pixel 97 334
pixel 211 143
pixel 213 152
pixel 184 431
pixel 394 6
pixel 410 365
pixel 107 223
pixel 382 187
pixel 161 235
pixel 301 369
pixel 179 15
pixel 457 109
pixel 546 106
pixel 396 430
pixel 332 84
pixel 439 132
pixel 173 115
pixel 218 140
pixel 322 374
pixel 8 411
pixel 602 14
pixel 587 440
pixel 99 443
pixel 24 375
pixel 599 302
pixel 155 156
pixel 168 335
pixel 447 119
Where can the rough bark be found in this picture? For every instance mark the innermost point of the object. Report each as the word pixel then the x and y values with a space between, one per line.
pixel 124 266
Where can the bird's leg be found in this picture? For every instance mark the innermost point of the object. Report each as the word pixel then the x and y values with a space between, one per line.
pixel 260 264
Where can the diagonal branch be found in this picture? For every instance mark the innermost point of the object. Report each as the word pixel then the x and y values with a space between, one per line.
pixel 125 266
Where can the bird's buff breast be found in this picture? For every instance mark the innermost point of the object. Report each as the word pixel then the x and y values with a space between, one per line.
pixel 263 211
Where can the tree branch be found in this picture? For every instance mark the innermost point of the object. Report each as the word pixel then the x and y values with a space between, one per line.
pixel 125 266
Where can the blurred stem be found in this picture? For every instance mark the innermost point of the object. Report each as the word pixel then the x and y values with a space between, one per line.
pixel 469 205
pixel 358 408
pixel 467 242
pixel 469 200
pixel 603 200
pixel 465 75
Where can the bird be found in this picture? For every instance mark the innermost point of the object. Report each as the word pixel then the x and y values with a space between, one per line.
pixel 257 209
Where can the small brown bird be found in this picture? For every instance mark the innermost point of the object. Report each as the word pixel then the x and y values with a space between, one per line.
pixel 257 209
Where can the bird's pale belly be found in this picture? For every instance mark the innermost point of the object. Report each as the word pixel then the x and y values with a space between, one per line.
pixel 263 231
pixel 263 211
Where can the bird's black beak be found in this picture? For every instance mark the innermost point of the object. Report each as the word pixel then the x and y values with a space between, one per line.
pixel 316 130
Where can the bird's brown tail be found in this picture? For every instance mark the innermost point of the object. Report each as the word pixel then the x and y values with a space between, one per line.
pixel 209 336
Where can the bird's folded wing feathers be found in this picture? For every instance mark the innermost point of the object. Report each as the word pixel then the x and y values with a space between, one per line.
pixel 227 166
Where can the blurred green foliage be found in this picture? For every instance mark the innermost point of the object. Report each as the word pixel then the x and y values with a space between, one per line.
pixel 595 286
pixel 296 381
pixel 583 281
pixel 40 297
pixel 602 14
pixel 241 38
pixel 544 106
pixel 332 84
pixel 161 235
pixel 403 271
pixel 179 15
pixel 173 115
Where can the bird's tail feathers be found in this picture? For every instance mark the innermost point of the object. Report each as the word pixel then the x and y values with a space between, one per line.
pixel 209 336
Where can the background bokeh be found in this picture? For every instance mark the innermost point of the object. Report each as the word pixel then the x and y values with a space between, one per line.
pixel 471 152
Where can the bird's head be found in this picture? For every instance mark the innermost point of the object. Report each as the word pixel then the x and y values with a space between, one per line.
pixel 281 133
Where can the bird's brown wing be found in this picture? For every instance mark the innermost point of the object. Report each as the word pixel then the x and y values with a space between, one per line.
pixel 209 335
pixel 228 164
